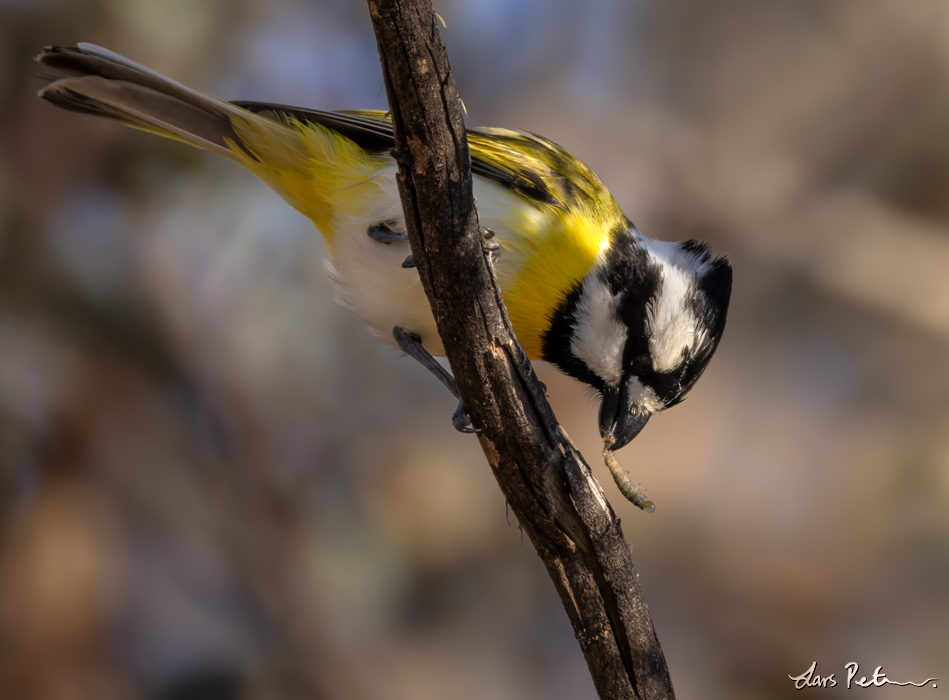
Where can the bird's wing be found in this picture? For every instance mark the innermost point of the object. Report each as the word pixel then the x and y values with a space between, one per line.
pixel 270 139
pixel 523 162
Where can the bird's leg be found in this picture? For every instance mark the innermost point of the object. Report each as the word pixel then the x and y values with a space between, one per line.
pixel 486 236
pixel 411 345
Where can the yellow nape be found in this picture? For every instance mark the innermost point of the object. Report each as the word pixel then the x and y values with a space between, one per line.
pixel 553 267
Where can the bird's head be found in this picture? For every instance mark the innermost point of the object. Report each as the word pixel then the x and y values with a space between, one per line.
pixel 641 327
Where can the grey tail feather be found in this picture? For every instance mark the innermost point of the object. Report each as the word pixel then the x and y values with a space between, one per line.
pixel 89 79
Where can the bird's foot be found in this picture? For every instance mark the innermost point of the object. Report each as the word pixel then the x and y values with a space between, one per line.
pixel 488 245
pixel 383 233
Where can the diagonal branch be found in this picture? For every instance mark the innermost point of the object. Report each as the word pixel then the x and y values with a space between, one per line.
pixel 545 480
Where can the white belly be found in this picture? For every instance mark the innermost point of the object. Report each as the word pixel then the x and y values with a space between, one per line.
pixel 368 275
pixel 372 284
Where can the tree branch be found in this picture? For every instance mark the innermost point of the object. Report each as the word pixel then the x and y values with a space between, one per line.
pixel 548 485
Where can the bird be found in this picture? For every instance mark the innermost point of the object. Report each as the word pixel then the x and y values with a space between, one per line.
pixel 635 318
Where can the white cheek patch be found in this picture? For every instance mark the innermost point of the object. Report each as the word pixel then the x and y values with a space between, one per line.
pixel 673 329
pixel 599 336
pixel 642 399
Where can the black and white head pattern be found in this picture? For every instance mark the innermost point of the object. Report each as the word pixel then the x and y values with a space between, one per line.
pixel 650 315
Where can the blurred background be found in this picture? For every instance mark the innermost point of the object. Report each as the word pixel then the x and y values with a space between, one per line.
pixel 215 485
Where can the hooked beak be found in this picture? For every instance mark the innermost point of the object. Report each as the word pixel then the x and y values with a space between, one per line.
pixel 616 419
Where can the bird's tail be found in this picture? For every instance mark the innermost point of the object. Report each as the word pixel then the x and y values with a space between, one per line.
pixel 92 80
pixel 312 165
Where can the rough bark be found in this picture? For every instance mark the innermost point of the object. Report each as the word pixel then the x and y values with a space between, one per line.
pixel 548 485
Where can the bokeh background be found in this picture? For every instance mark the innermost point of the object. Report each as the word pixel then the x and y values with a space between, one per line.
pixel 215 485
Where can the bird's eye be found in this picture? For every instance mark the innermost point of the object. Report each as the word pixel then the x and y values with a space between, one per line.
pixel 641 365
